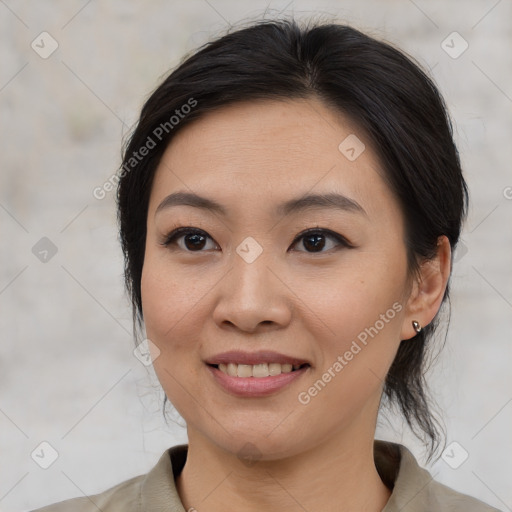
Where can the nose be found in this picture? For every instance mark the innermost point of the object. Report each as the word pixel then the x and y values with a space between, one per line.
pixel 253 296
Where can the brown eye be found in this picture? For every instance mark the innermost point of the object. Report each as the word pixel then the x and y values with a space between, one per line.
pixel 315 240
pixel 192 240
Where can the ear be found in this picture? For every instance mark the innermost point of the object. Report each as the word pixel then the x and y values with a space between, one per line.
pixel 428 289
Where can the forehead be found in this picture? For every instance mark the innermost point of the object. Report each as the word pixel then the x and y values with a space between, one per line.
pixel 262 152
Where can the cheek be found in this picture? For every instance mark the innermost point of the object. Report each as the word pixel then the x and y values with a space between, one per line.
pixel 352 296
pixel 361 307
pixel 170 299
pixel 361 316
pixel 170 302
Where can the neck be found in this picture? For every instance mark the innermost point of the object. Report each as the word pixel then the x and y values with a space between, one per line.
pixel 338 474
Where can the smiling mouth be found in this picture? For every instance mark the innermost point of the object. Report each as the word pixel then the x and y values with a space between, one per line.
pixel 257 370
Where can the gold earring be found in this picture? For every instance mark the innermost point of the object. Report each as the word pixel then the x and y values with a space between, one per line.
pixel 416 326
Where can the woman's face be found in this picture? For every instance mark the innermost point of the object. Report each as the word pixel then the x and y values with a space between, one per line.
pixel 247 279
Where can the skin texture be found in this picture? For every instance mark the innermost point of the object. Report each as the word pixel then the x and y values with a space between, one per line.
pixel 250 157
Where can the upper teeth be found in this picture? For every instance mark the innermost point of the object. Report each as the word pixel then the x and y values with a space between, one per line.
pixel 256 370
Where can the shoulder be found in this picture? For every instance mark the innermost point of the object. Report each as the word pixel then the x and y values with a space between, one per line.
pixel 445 498
pixel 154 490
pixel 123 497
pixel 414 488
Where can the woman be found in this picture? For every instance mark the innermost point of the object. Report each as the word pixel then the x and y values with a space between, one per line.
pixel 289 203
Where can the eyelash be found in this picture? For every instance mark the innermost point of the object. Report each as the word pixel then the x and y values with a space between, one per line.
pixel 172 237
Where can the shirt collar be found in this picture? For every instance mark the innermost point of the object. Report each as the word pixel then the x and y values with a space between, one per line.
pixel 397 467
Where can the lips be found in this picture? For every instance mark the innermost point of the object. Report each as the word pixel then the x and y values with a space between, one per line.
pixel 253 358
pixel 234 371
pixel 258 370
pixel 256 387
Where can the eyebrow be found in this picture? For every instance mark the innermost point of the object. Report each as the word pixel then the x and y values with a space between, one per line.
pixel 330 200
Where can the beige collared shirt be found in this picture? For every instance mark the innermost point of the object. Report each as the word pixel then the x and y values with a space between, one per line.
pixel 413 488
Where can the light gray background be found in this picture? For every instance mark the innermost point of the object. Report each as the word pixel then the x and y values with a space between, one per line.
pixel 67 372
